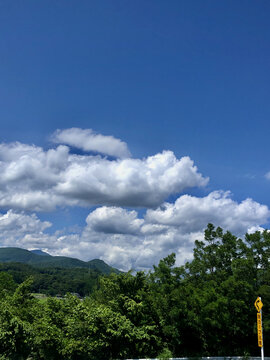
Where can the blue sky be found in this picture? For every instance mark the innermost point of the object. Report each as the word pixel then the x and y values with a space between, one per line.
pixel 189 77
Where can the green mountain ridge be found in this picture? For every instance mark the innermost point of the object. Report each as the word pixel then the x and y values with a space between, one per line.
pixel 40 252
pixel 13 254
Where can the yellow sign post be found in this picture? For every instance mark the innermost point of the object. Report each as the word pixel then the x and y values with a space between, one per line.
pixel 259 329
pixel 258 305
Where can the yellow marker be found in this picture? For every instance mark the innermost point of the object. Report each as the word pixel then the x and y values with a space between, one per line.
pixel 260 340
pixel 258 304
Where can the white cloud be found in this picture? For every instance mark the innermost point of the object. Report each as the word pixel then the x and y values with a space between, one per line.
pixel 170 228
pixel 191 213
pixel 114 235
pixel 88 140
pixel 122 239
pixel 33 179
pixel 267 175
pixel 113 220
pixel 129 182
pixel 37 180
pixel 19 229
pixel 255 228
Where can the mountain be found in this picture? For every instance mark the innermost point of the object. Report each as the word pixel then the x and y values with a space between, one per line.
pixel 40 252
pixel 41 259
pixel 101 266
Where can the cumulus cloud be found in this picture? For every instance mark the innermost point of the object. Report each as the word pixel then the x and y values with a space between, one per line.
pixel 19 229
pixel 38 180
pixel 191 213
pixel 170 228
pixel 113 220
pixel 33 180
pixel 88 140
pixel 123 239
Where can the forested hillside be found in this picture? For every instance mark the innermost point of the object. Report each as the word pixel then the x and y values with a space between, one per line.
pixel 204 308
pixel 54 281
pixel 40 259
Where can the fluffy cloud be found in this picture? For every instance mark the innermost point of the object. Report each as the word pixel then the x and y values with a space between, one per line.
pixel 87 140
pixel 37 180
pixel 192 213
pixel 113 220
pixel 129 182
pixel 19 229
pixel 122 239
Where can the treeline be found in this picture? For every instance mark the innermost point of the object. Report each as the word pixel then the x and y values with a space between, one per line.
pixel 204 308
pixel 54 280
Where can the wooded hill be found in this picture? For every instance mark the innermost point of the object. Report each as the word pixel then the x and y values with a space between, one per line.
pixel 39 258
pixel 53 281
pixel 53 275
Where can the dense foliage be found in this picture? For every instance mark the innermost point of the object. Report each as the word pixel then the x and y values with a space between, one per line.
pixel 202 308
pixel 54 281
